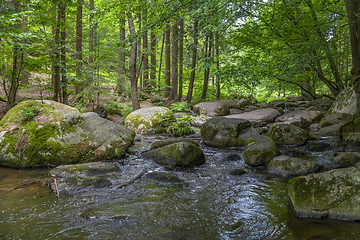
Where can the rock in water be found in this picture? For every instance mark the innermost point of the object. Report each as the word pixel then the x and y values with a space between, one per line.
pixel 259 150
pixel 290 166
pixel 48 133
pixel 151 119
pixel 333 194
pixel 287 134
pixel 226 132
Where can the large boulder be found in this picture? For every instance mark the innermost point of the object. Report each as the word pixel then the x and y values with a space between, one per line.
pixel 300 118
pixel 351 131
pixel 346 159
pixel 259 117
pixel 322 104
pixel 180 154
pixel 287 134
pixel 226 132
pixel 259 150
pixel 333 194
pixel 219 108
pixel 332 124
pixel 151 119
pixel 345 102
pixel 47 133
pixel 290 166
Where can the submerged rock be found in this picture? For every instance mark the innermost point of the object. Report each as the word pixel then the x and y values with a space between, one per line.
pixel 47 133
pixel 290 166
pixel 333 194
pixel 162 143
pixel 151 119
pixel 226 132
pixel 259 150
pixel 181 154
pixel 287 134
pixel 163 178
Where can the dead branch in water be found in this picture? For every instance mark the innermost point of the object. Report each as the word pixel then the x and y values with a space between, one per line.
pixel 24 184
pixel 57 189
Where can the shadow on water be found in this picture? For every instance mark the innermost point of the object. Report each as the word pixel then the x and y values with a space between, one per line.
pixel 208 203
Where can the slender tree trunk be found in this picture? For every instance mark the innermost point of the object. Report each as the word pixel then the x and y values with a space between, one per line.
pixel 153 60
pixel 132 67
pixel 140 56
pixel 217 64
pixel 145 56
pixel 57 58
pixel 181 58
pixel 91 42
pixel 62 6
pixel 79 46
pixel 161 56
pixel 174 65
pixel 167 59
pixel 120 88
pixel 208 47
pixel 193 63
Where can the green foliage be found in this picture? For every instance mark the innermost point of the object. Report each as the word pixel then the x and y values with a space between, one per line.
pixel 28 113
pixel 114 107
pixel 159 101
pixel 180 107
pixel 181 127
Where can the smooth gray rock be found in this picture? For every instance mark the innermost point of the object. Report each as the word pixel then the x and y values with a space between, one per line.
pixel 287 134
pixel 346 159
pixel 258 118
pixel 219 108
pixel 290 166
pixel 345 102
pixel 300 118
pixel 335 119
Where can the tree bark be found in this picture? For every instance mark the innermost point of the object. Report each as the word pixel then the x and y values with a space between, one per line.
pixel 91 42
pixel 208 62
pixel 153 60
pixel 132 67
pixel 79 56
pixel 161 56
pixel 167 59
pixel 145 55
pixel 193 63
pixel 56 62
pixel 62 7
pixel 181 58
pixel 217 64
pixel 140 56
pixel 121 72
pixel 174 65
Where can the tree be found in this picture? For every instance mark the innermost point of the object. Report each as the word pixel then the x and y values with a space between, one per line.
pixel 193 62
pixel 167 59
pixel 79 37
pixel 132 67
pixel 174 66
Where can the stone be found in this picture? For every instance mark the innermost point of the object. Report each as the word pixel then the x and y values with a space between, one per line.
pixel 286 134
pixel 162 143
pixel 335 119
pixel 322 104
pixel 235 111
pixel 58 134
pixel 334 194
pixel 317 146
pixel 346 159
pixel 345 102
pixel 162 178
pixel 181 154
pixel 198 121
pixel 152 119
pixel 258 118
pixel 300 118
pixel 212 108
pixel 237 172
pixel 291 166
pixel 226 132
pixel 332 130
pixel 259 150
pixel 84 170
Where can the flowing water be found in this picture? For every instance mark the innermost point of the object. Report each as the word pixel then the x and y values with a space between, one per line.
pixel 209 203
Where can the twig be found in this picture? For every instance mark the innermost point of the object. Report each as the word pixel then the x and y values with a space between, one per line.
pixel 22 185
pixel 57 190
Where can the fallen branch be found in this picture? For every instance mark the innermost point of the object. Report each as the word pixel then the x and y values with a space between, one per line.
pixel 57 189
pixel 24 184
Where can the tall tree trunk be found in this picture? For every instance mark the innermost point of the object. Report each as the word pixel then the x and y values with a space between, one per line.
pixel 153 60
pixel 161 56
pixel 56 62
pixel 181 58
pixel 132 67
pixel 174 65
pixel 79 56
pixel 120 88
pixel 167 59
pixel 193 63
pixel 208 61
pixel 62 7
pixel 217 64
pixel 91 42
pixel 353 11
pixel 140 57
pixel 145 56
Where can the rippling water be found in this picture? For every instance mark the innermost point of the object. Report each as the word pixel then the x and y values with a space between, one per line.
pixel 210 204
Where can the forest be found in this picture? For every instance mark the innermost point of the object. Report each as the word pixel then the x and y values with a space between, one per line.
pixel 173 51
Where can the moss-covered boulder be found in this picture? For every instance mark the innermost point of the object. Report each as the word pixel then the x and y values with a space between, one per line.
pixel 300 118
pixel 259 150
pixel 333 194
pixel 48 133
pixel 287 134
pixel 152 119
pixel 226 132
pixel 346 159
pixel 351 131
pixel 345 102
pixel 258 118
pixel 219 108
pixel 181 154
pixel 162 143
pixel 290 166
pixel 336 118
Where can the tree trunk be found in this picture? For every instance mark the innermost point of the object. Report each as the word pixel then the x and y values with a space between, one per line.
pixel 62 7
pixel 153 60
pixel 79 46
pixel 91 42
pixel 145 56
pixel 167 59
pixel 193 63
pixel 174 65
pixel 217 64
pixel 140 56
pixel 56 62
pixel 120 88
pixel 181 58
pixel 161 55
pixel 208 62
pixel 132 68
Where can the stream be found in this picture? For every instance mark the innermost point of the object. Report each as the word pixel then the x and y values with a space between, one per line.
pixel 208 203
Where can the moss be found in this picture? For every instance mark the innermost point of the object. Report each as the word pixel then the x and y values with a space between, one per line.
pixel 77 168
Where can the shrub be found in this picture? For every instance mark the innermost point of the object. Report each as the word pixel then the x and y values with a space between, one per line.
pixel 180 107
pixel 28 114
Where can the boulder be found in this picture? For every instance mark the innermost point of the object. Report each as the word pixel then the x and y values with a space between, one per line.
pixel 300 118
pixel 351 131
pixel 226 132
pixel 163 143
pixel 181 154
pixel 243 101
pixel 258 118
pixel 47 133
pixel 322 104
pixel 336 118
pixel 333 194
pixel 219 108
pixel 152 119
pixel 198 121
pixel 333 130
pixel 346 159
pixel 287 134
pixel 162 178
pixel 290 166
pixel 345 102
pixel 259 150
